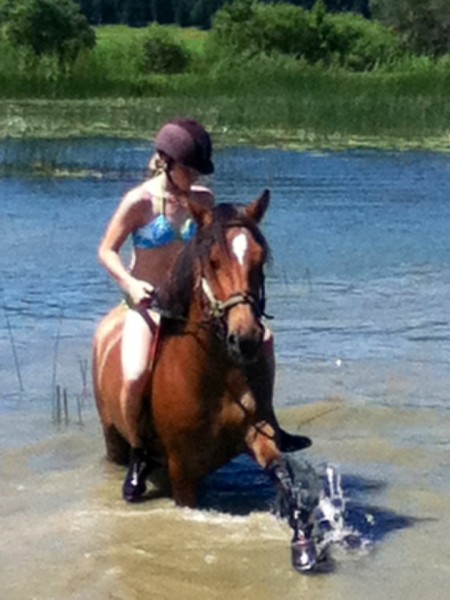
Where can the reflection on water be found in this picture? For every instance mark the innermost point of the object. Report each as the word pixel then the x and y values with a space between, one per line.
pixel 359 289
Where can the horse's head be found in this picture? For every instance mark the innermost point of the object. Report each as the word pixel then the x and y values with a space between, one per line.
pixel 231 253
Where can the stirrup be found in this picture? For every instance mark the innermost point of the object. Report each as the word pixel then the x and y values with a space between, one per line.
pixel 134 486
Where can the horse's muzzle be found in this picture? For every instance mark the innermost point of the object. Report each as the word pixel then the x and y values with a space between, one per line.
pixel 244 348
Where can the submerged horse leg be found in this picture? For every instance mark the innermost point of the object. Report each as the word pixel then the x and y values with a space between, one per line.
pixel 184 486
pixel 261 442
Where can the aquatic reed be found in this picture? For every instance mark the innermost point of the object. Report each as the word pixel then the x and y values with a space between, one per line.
pixel 13 347
pixel 55 389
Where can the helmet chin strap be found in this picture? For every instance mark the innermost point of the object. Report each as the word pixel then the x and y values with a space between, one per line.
pixel 174 187
pixel 168 169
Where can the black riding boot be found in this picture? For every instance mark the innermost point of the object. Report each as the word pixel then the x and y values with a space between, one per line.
pixel 134 486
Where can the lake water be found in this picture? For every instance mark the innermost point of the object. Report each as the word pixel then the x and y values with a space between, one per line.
pixel 358 286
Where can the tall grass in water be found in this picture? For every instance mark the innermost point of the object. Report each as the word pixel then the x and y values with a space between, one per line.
pixel 267 100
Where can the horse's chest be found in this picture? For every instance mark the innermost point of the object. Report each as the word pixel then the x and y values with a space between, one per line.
pixel 235 412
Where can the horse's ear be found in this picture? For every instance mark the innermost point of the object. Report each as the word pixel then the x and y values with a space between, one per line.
pixel 257 209
pixel 201 214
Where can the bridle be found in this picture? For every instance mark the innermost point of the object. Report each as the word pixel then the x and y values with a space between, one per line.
pixel 219 308
pixel 215 309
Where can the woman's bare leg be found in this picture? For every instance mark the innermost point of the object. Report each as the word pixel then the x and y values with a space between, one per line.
pixel 138 332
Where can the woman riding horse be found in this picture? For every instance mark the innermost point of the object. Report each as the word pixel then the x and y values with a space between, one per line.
pixel 209 395
pixel 155 214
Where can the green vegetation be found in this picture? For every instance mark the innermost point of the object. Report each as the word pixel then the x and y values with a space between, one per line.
pixel 345 40
pixel 424 25
pixel 343 82
pixel 41 28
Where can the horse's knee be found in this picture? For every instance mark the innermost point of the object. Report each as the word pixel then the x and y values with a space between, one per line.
pixel 261 443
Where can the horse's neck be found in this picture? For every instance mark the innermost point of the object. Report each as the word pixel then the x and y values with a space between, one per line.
pixel 202 324
pixel 196 317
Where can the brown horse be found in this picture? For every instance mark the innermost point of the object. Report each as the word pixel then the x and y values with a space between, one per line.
pixel 209 394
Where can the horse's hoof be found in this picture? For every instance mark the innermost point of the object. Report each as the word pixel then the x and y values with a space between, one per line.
pixel 304 555
pixel 134 486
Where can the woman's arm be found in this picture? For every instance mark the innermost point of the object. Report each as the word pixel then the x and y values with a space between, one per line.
pixel 133 212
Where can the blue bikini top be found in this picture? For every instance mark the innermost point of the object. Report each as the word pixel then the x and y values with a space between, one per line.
pixel 160 232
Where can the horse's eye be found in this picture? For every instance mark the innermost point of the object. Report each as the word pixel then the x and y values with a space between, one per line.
pixel 214 259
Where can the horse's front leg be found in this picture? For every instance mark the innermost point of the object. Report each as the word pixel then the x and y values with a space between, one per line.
pixel 261 442
pixel 184 487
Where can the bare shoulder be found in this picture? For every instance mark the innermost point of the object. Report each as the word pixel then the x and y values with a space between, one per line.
pixel 202 195
pixel 136 204
pixel 138 195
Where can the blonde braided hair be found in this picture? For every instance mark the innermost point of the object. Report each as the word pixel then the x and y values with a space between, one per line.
pixel 158 164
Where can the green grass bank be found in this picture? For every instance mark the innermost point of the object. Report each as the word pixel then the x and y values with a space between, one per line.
pixel 268 101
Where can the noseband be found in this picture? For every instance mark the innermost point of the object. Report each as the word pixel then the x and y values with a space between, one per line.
pixel 219 308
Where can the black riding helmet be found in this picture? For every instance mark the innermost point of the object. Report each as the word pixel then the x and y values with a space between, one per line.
pixel 186 142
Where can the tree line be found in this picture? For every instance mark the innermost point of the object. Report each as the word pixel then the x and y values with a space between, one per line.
pixel 187 13
pixel 423 24
pixel 330 32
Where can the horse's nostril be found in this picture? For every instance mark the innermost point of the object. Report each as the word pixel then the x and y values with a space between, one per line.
pixel 249 348
pixel 243 348
pixel 233 340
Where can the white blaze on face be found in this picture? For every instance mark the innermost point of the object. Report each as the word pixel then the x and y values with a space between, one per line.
pixel 239 246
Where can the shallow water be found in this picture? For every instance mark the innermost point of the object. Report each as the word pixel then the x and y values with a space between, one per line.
pixel 358 288
pixel 66 532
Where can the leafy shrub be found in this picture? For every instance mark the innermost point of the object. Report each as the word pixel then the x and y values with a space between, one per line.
pixel 246 28
pixel 235 30
pixel 162 53
pixel 47 28
pixel 285 28
pixel 351 41
pixel 424 25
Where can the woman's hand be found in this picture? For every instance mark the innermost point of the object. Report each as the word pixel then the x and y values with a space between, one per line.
pixel 140 292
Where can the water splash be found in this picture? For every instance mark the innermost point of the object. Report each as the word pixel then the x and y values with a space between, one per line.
pixel 331 519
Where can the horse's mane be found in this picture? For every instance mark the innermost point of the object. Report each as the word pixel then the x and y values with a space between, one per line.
pixel 177 295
